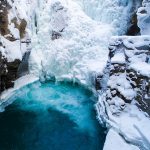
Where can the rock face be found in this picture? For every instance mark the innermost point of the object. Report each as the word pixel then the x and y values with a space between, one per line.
pixel 128 73
pixel 128 67
pixel 124 101
pixel 8 72
pixel 13 42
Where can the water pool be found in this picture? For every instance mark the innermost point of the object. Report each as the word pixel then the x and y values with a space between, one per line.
pixel 51 116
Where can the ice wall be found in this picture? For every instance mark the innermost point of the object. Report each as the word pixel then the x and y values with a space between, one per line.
pixel 115 12
pixel 68 44
pixel 144 17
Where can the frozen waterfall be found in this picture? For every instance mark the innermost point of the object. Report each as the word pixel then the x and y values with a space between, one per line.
pixel 70 38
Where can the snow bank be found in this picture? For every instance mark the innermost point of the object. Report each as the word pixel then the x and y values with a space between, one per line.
pixel 132 124
pixel 12 50
pixel 142 68
pixel 115 142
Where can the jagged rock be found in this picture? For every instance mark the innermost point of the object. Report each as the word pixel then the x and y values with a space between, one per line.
pixel 129 73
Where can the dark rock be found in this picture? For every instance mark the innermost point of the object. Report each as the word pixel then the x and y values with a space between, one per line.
pixel 55 35
pixel 133 29
pixel 8 72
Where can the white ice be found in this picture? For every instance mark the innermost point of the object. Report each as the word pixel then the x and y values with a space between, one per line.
pixel 82 50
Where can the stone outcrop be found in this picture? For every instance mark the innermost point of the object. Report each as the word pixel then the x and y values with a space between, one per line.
pixel 128 72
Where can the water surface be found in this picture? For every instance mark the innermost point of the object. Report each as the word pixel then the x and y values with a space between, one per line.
pixel 51 117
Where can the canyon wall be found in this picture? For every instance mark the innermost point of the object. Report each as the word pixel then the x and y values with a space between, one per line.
pixel 124 101
pixel 14 40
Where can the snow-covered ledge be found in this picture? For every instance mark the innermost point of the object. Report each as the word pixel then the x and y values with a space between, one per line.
pixel 19 83
pixel 115 142
pixel 124 104
pixel 131 126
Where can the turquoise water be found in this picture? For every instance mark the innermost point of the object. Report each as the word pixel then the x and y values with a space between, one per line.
pixel 51 117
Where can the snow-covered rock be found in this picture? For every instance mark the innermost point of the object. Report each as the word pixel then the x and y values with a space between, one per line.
pixel 14 39
pixel 115 142
pixel 124 104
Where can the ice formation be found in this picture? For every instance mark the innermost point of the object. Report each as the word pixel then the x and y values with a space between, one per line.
pixel 82 50
pixel 116 12
pixel 144 17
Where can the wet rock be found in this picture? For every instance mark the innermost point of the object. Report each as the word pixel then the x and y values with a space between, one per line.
pixel 8 72
pixel 23 68
pixel 134 29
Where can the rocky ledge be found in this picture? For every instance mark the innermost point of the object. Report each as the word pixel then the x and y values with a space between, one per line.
pixel 129 73
pixel 13 42
pixel 124 104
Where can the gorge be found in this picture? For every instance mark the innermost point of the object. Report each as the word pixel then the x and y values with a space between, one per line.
pixel 101 45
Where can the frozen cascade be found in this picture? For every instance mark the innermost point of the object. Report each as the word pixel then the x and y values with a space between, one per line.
pixel 115 12
pixel 68 44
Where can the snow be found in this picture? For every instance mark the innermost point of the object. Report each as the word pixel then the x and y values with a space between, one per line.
pixel 131 42
pixel 118 58
pixel 12 50
pixel 121 83
pixel 130 125
pixel 20 9
pixel 81 52
pixel 142 68
pixel 115 142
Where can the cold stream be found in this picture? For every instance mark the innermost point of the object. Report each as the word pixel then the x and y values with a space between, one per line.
pixel 51 117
